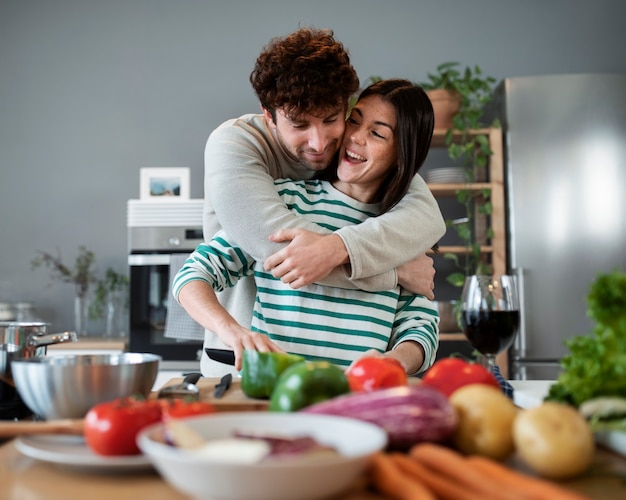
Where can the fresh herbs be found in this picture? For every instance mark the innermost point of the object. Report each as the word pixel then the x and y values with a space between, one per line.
pixel 113 284
pixel 596 363
pixel 82 275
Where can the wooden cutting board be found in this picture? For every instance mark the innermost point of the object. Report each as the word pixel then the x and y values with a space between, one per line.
pixel 233 399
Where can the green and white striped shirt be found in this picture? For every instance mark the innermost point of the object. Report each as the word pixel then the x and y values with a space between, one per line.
pixel 316 321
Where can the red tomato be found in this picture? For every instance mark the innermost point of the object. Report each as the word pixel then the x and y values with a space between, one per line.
pixel 179 408
pixel 449 374
pixel 368 374
pixel 112 427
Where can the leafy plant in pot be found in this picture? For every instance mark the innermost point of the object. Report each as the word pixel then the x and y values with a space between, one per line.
pixel 82 276
pixel 472 91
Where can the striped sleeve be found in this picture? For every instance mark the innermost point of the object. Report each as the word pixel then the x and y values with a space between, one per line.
pixel 217 263
pixel 417 319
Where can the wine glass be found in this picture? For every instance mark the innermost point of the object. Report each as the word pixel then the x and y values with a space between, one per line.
pixel 490 314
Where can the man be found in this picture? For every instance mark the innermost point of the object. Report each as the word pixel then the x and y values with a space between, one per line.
pixel 304 82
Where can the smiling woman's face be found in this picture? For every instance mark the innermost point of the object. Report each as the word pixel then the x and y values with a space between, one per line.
pixel 369 148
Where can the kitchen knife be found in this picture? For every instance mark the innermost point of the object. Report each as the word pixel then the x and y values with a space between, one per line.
pixel 223 386
pixel 221 355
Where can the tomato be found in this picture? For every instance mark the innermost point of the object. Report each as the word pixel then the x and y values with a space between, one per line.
pixel 449 374
pixel 179 408
pixel 368 374
pixel 111 428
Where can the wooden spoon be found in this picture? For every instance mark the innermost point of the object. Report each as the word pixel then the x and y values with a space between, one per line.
pixel 62 426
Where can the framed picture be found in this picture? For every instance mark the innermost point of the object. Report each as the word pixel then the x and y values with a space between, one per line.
pixel 164 184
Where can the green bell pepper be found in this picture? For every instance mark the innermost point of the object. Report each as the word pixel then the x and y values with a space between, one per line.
pixel 306 383
pixel 260 371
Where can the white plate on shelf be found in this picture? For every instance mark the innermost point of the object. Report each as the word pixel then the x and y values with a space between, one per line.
pixel 446 175
pixel 73 452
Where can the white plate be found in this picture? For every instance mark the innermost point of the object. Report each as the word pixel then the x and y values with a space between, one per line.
pixel 72 451
pixel 530 393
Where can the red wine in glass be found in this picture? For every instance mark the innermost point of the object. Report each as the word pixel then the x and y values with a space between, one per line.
pixel 490 332
pixel 490 314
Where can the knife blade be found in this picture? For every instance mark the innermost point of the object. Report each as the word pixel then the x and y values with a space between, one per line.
pixel 223 386
pixel 221 355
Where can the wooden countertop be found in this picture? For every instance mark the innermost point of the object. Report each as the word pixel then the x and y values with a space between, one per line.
pixel 89 343
pixel 22 477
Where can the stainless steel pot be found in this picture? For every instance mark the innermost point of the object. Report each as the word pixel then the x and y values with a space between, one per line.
pixel 23 340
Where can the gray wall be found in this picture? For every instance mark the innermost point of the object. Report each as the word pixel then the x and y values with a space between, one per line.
pixel 90 91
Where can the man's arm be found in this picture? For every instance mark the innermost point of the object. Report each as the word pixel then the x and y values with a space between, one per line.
pixel 313 250
pixel 409 229
pixel 240 169
pixel 239 176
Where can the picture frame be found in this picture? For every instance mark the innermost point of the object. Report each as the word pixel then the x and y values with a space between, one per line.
pixel 164 183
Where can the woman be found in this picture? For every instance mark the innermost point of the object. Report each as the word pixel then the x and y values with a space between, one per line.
pixel 386 141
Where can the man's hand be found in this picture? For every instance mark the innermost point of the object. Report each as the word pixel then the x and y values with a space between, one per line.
pixel 418 276
pixel 309 257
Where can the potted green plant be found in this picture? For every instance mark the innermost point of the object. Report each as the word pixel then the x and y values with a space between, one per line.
pixel 472 91
pixel 82 276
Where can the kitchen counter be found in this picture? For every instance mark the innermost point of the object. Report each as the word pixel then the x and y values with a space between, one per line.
pixel 22 477
pixel 90 345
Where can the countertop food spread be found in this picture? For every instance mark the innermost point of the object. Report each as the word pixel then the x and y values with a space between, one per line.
pixel 23 476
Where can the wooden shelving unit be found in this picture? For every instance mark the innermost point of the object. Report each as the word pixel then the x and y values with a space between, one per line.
pixel 496 247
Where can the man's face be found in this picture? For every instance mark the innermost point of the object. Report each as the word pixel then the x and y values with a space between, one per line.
pixel 313 140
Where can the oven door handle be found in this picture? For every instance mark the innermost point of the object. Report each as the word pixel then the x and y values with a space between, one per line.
pixel 161 259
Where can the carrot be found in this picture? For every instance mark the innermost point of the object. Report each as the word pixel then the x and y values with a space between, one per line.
pixel 537 489
pixel 390 480
pixel 454 467
pixel 441 486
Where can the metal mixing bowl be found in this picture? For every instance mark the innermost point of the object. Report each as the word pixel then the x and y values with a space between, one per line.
pixel 68 386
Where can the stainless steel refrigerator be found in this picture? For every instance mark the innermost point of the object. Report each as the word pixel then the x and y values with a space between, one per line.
pixel 565 175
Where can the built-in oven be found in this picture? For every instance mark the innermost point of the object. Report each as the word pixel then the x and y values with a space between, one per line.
pixel 160 236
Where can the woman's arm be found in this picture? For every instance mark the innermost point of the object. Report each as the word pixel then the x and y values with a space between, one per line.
pixel 416 322
pixel 211 267
pixel 415 336
pixel 199 300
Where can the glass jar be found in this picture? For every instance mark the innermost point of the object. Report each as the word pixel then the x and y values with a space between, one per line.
pixel 24 312
pixel 7 313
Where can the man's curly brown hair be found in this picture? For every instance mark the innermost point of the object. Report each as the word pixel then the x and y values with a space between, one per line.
pixel 306 72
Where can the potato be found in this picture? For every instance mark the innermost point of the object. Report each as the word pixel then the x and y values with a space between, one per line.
pixel 485 421
pixel 554 440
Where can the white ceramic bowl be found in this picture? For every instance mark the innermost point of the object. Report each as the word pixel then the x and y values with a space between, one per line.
pixel 288 479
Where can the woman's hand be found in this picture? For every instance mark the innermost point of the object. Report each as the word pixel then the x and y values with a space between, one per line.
pixel 241 338
pixel 308 258
pixel 409 354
